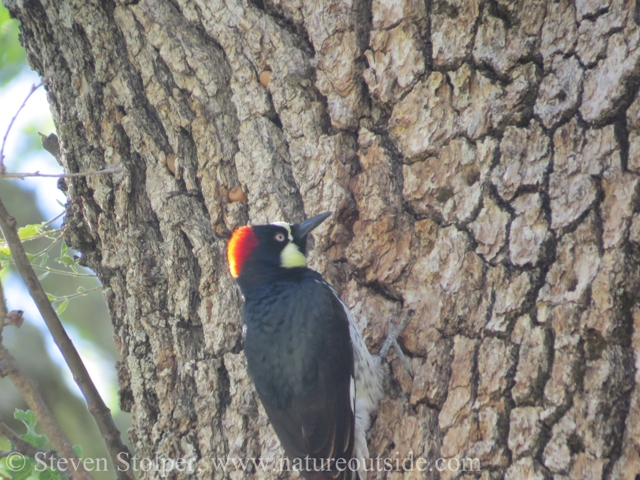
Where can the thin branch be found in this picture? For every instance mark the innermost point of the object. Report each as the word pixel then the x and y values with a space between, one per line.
pixel 22 446
pixel 61 272
pixel 106 171
pixel 51 245
pixel 15 318
pixel 45 234
pixel 79 294
pixel 3 310
pixel 9 367
pixel 54 219
pixel 4 140
pixel 97 407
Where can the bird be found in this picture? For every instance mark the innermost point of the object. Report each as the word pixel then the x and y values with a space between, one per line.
pixel 311 368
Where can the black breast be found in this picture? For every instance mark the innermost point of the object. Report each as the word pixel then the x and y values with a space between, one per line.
pixel 296 329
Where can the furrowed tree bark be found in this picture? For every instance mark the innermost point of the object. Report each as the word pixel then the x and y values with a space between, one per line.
pixel 483 161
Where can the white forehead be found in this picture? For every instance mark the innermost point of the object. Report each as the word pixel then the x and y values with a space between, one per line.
pixel 286 226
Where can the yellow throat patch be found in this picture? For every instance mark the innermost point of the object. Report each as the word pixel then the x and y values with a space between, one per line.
pixel 291 256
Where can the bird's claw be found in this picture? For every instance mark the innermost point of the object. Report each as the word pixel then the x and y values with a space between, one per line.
pixel 392 340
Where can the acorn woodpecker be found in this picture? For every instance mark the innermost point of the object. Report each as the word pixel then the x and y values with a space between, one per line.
pixel 311 368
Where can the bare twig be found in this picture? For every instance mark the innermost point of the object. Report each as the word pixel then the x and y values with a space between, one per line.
pixel 15 318
pixel 79 294
pixel 97 407
pixel 9 367
pixel 27 389
pixel 22 446
pixel 106 171
pixel 4 140
pixel 3 309
pixel 44 234
pixel 54 219
pixel 55 271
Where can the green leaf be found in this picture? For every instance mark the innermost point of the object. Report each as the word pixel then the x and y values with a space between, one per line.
pixel 50 297
pixel 44 259
pixel 17 467
pixel 62 307
pixel 66 260
pixel 5 254
pixel 4 271
pixel 31 257
pixel 29 419
pixel 78 450
pixel 82 290
pixel 49 474
pixel 63 249
pixel 43 276
pixel 28 231
pixel 26 416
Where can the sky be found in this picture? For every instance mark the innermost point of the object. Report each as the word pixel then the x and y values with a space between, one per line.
pixel 35 112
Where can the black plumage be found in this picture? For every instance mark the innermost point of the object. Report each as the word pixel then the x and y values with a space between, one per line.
pixel 299 353
pixel 304 376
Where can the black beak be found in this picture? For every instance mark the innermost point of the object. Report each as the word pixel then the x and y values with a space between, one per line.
pixel 302 229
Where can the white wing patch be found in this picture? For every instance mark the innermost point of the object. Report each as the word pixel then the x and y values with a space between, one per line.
pixel 352 391
pixel 368 390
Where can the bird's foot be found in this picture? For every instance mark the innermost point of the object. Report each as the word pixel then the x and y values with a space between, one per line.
pixel 392 340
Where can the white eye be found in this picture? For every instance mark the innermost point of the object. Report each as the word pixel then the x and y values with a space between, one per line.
pixel 280 237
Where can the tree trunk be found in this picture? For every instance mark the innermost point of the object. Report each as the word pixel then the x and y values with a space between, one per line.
pixel 482 159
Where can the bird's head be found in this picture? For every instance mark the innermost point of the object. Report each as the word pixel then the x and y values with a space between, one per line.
pixel 257 252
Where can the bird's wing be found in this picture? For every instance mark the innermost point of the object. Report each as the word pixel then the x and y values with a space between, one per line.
pixel 320 423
